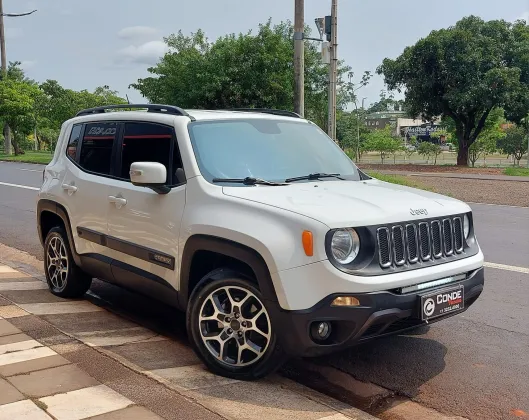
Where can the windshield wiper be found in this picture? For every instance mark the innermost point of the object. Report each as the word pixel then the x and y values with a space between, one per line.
pixel 314 177
pixel 247 181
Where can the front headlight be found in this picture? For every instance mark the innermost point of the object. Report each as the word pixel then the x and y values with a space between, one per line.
pixel 345 245
pixel 466 226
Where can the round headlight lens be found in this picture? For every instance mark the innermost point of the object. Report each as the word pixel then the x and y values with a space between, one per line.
pixel 345 245
pixel 466 226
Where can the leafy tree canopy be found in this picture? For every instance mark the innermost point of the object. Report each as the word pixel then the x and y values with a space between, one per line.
pixel 253 70
pixel 464 72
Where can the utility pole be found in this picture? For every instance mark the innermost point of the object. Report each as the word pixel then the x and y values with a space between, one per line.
pixel 333 70
pixel 7 131
pixel 299 57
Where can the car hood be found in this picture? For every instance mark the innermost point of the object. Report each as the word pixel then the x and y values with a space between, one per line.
pixel 352 203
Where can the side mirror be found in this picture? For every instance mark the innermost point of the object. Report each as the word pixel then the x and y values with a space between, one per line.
pixel 151 175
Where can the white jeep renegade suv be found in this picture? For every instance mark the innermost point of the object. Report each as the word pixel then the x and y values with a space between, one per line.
pixel 257 225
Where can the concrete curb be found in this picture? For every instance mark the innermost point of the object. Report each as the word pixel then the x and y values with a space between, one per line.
pixel 378 401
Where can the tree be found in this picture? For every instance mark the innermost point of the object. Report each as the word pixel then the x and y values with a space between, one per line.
pixel 347 126
pixel 464 72
pixel 514 143
pixel 486 143
pixel 429 150
pixel 245 70
pixel 383 142
pixel 386 100
pixel 57 104
pixel 17 99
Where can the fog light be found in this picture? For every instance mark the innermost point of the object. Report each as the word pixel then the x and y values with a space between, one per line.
pixel 321 330
pixel 345 301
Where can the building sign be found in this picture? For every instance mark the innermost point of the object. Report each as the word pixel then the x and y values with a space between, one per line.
pixel 421 131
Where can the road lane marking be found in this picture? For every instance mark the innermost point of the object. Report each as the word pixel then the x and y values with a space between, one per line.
pixel 507 267
pixel 29 170
pixel 19 186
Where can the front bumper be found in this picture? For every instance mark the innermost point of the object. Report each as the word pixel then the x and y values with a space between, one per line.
pixel 380 314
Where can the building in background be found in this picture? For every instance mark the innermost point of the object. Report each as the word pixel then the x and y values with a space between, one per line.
pixel 402 125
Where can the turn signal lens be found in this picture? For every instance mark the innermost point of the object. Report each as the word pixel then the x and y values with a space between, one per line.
pixel 308 243
pixel 345 301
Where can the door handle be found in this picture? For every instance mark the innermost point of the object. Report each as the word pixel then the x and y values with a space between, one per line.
pixel 118 201
pixel 70 188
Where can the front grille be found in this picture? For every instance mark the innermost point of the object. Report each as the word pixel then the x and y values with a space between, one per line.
pixel 424 241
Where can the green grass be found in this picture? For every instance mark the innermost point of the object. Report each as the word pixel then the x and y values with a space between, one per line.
pixel 516 171
pixel 400 180
pixel 29 157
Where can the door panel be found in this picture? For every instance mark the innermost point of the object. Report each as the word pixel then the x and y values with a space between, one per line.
pixel 144 226
pixel 144 232
pixel 84 187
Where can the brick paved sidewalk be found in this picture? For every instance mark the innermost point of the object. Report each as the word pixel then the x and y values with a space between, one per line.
pixel 75 360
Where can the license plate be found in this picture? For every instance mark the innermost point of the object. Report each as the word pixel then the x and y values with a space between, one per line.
pixel 442 302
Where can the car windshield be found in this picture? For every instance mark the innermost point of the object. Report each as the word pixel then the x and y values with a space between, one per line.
pixel 272 150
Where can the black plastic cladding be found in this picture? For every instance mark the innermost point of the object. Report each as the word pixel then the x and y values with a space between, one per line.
pixel 367 263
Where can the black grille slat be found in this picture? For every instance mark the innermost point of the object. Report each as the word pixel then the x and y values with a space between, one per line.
pixel 437 249
pixel 424 241
pixel 384 250
pixel 458 235
pixel 411 243
pixel 447 237
pixel 398 245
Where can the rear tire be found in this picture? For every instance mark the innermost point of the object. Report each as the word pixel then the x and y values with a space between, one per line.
pixel 230 329
pixel 65 279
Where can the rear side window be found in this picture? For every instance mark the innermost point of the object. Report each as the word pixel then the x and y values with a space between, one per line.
pixel 73 143
pixel 96 150
pixel 147 142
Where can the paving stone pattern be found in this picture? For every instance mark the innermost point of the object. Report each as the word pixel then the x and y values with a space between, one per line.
pixel 70 360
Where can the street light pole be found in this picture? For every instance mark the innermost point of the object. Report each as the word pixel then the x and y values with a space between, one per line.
pixel 7 131
pixel 299 57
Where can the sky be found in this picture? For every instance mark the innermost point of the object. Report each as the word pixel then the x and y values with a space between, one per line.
pixel 84 44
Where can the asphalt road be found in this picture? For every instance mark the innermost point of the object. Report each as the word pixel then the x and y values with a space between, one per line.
pixel 473 365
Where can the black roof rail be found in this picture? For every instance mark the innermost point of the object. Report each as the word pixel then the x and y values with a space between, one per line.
pixel 163 109
pixel 280 112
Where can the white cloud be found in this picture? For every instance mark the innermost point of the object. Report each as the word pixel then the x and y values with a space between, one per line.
pixel 28 64
pixel 148 53
pixel 137 32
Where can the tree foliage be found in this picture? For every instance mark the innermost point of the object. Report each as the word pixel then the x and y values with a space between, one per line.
pixel 387 100
pixel 28 107
pixel 351 128
pixel 464 72
pixel 383 142
pixel 251 70
pixel 514 143
pixel 429 151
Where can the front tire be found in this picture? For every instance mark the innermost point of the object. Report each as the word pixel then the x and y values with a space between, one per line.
pixel 230 328
pixel 65 279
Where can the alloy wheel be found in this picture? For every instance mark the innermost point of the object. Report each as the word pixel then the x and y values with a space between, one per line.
pixel 234 326
pixel 57 259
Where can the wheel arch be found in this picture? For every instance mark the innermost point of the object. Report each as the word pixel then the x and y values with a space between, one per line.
pixel 48 210
pixel 235 251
